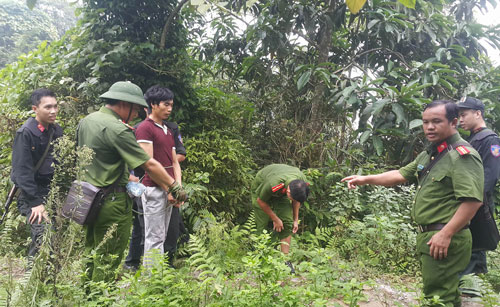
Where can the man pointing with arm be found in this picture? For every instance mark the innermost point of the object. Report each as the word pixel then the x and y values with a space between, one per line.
pixel 449 178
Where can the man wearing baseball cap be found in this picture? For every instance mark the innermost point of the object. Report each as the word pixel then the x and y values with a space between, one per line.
pixel 116 151
pixel 487 143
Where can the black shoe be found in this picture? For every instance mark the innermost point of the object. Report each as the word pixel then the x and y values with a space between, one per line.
pixel 290 265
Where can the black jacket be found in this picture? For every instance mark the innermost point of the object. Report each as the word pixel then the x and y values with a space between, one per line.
pixel 29 145
pixel 179 145
pixel 487 144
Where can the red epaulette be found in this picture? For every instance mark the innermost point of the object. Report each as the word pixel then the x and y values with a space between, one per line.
pixel 128 126
pixel 278 187
pixel 462 150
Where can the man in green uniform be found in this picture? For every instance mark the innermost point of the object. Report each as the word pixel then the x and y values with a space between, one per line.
pixel 450 179
pixel 116 151
pixel 277 192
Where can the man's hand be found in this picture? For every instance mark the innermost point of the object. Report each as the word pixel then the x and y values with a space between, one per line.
pixel 277 225
pixel 133 178
pixel 295 226
pixel 178 192
pixel 37 214
pixel 354 180
pixel 439 244
pixel 171 200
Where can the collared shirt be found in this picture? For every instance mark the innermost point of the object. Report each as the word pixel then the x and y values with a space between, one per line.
pixel 273 180
pixel 28 148
pixel 453 179
pixel 114 145
pixel 162 139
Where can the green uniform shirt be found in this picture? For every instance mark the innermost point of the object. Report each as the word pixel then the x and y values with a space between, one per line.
pixel 271 177
pixel 453 178
pixel 115 148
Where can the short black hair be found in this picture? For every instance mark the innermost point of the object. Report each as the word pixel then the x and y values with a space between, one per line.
pixel 450 107
pixel 38 94
pixel 156 94
pixel 299 190
pixel 111 102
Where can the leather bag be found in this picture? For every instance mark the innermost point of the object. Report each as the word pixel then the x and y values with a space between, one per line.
pixel 83 202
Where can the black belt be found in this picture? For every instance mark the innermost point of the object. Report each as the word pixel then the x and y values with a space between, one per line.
pixel 436 226
pixel 119 189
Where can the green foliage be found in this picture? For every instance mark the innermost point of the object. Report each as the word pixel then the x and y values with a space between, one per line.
pixel 23 28
pixel 224 166
pixel 324 78
pixel 306 83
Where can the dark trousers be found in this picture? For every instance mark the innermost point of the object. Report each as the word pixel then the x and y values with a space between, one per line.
pixel 36 230
pixel 477 264
pixel 176 229
pixel 136 247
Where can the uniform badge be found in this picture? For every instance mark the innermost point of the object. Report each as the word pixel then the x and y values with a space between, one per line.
pixel 462 150
pixel 442 146
pixel 278 187
pixel 495 150
pixel 420 167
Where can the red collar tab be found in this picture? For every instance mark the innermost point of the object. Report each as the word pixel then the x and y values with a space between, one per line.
pixel 442 146
pixel 462 150
pixel 128 126
pixel 278 187
pixel 41 127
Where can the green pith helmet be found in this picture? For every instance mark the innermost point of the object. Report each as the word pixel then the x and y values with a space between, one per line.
pixel 126 91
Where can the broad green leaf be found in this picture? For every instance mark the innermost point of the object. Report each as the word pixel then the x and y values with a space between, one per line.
pixel 415 123
pixel 435 78
pixel 197 2
pixel 399 111
pixel 378 144
pixel 304 78
pixel 355 5
pixel 408 3
pixel 203 8
pixel 364 137
pixel 446 84
pixel 372 23
pixel 31 3
pixel 251 2
pixel 430 32
pixel 379 105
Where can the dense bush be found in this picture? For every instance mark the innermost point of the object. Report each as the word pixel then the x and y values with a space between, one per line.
pixel 224 167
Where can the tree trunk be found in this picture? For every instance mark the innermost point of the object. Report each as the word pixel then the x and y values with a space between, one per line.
pixel 324 46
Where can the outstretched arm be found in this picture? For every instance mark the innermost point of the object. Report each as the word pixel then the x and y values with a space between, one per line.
pixel 389 178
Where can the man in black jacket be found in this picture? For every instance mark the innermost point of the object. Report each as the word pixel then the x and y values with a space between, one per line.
pixel 29 147
pixel 487 144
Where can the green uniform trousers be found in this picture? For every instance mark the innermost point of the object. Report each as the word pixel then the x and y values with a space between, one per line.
pixel 104 251
pixel 441 277
pixel 282 207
